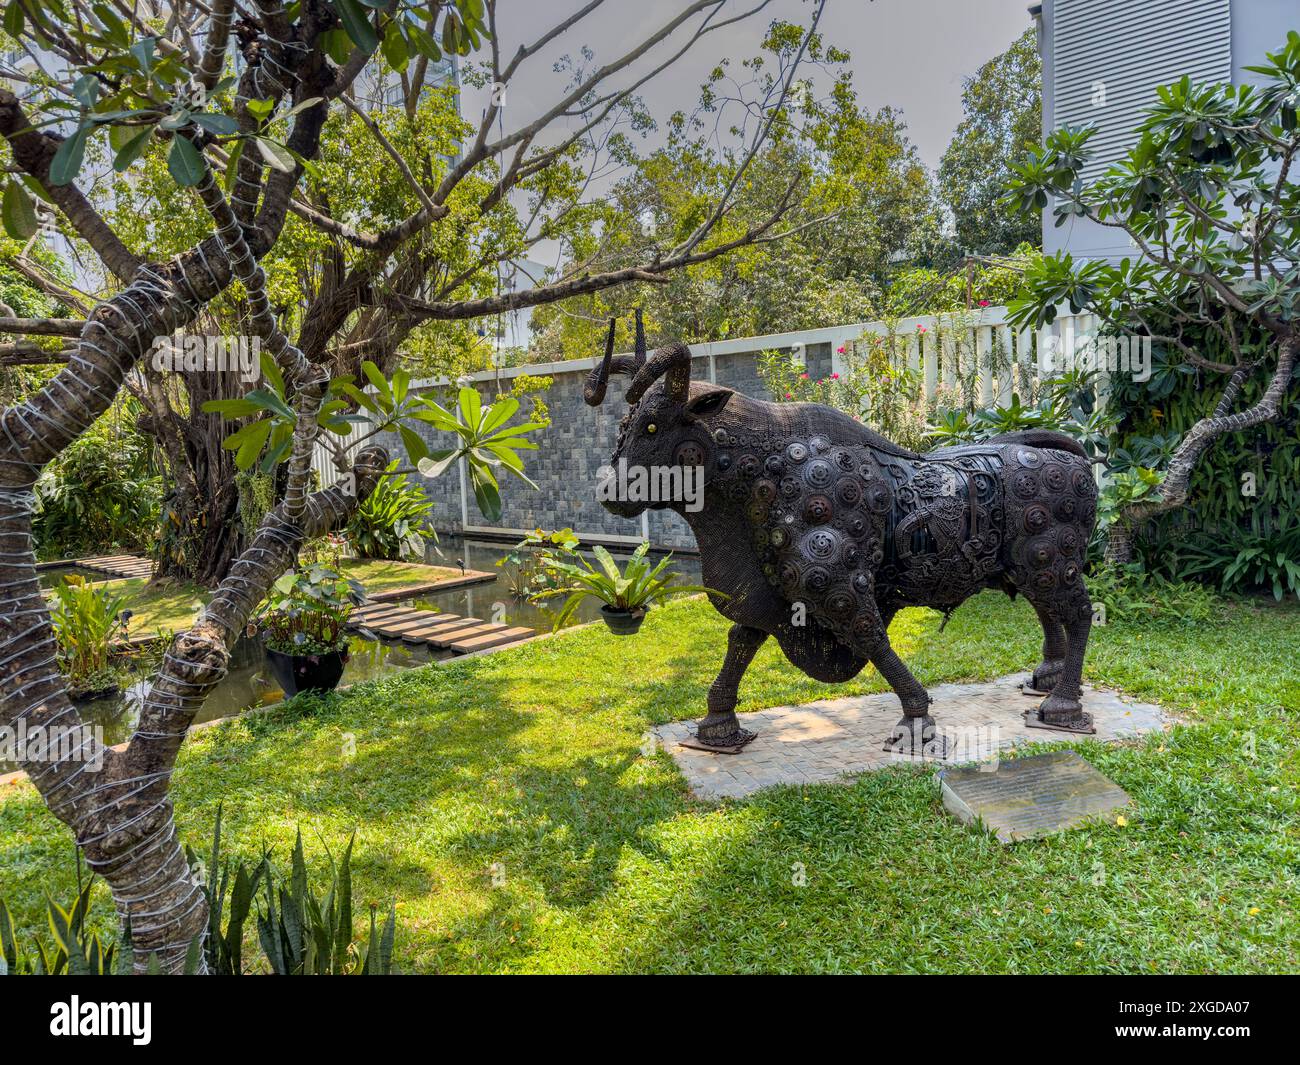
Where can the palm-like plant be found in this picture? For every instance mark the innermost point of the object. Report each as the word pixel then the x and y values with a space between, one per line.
pixel 487 444
pixel 633 591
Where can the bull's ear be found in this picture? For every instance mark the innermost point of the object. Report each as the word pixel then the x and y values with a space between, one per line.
pixel 709 403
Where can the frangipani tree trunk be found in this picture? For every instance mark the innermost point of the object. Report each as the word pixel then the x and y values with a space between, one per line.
pixel 1174 487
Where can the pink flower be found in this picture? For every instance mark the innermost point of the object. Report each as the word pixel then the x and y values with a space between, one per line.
pixel 804 376
pixel 835 377
pixel 840 350
pixel 920 329
pixel 984 303
pixel 788 396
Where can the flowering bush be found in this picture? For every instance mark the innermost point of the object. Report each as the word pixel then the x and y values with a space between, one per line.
pixel 872 387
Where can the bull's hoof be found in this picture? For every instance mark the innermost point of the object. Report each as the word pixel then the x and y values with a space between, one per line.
pixel 721 732
pixel 1044 679
pixel 917 738
pixel 1061 715
pixel 1045 676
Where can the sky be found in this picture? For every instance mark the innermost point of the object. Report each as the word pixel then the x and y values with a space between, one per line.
pixel 912 55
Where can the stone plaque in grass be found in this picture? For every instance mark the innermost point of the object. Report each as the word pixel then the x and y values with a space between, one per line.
pixel 1027 797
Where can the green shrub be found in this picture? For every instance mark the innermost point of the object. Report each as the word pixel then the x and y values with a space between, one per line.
pixel 392 522
pixel 74 951
pixel 87 619
pixel 99 494
pixel 300 932
pixel 1132 595
pixel 1237 560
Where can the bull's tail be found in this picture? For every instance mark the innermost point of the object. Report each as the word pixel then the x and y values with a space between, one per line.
pixel 1044 438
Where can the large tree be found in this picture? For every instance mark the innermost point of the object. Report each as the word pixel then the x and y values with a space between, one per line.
pixel 240 95
pixel 1003 108
pixel 857 167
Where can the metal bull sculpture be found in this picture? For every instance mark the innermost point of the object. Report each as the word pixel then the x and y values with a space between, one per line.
pixel 818 530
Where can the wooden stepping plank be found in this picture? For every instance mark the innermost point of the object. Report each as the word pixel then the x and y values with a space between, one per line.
pixel 393 613
pixel 466 623
pixel 375 615
pixel 430 631
pixel 491 639
pixel 447 637
pixel 409 624
pixel 431 637
pixel 403 617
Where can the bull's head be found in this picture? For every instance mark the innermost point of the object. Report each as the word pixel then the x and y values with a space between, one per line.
pixel 669 421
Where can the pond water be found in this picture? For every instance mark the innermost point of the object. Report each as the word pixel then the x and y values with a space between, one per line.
pixel 249 682
pixel 495 601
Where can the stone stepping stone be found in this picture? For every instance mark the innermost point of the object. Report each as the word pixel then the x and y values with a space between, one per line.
pixel 1027 797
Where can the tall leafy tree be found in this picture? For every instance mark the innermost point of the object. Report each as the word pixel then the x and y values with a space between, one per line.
pixel 1003 108
pixel 853 167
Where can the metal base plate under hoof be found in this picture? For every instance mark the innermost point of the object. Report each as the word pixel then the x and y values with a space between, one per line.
pixel 1027 688
pixel 738 741
pixel 1084 724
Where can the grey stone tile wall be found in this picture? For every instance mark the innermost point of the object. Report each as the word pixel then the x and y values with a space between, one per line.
pixel 578 442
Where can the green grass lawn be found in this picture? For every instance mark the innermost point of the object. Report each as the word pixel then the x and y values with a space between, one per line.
pixel 172 606
pixel 530 760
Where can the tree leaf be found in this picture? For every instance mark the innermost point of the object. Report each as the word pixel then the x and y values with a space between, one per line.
pixel 397 53
pixel 277 155
pixel 357 25
pixel 66 163
pixel 232 164
pixel 19 212
pixel 130 151
pixel 184 162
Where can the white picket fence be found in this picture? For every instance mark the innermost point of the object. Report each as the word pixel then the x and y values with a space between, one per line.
pixel 966 357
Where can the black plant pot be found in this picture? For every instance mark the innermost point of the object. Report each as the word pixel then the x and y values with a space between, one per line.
pixel 622 622
pixel 307 673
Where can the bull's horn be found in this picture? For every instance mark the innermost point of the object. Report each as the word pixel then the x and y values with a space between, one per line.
pixel 597 381
pixel 640 341
pixel 673 360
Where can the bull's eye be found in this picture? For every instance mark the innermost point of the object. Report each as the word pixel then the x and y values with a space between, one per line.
pixel 651 428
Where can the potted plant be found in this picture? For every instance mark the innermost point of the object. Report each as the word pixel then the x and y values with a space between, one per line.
pixel 303 621
pixel 626 595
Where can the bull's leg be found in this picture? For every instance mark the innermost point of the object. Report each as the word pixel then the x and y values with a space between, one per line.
pixel 721 728
pixel 1063 708
pixel 1049 669
pixel 915 733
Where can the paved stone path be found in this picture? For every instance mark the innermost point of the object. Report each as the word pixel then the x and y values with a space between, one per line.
pixel 828 741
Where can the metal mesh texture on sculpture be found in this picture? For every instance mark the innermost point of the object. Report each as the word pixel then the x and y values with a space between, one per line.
pixel 818 530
